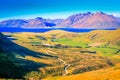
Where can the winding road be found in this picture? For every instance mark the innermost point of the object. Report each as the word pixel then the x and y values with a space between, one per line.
pixel 61 60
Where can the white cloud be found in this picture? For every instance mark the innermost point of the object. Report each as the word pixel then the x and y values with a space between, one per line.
pixel 115 14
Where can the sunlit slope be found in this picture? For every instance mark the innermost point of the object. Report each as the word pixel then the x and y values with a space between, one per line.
pixel 14 62
pixel 102 74
pixel 79 62
pixel 110 37
pixel 60 34
pixel 83 51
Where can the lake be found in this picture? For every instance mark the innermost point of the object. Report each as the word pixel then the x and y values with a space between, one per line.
pixel 46 29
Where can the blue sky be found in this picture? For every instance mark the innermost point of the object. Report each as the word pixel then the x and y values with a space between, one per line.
pixel 55 8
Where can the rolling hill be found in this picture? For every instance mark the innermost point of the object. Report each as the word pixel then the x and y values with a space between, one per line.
pixel 12 60
pixel 102 74
pixel 110 37
pixel 57 53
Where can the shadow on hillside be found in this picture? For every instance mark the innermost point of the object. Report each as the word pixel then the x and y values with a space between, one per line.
pixel 14 48
pixel 12 67
pixel 17 68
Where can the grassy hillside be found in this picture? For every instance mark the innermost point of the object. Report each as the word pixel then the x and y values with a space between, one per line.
pixel 102 74
pixel 105 42
pixel 62 53
pixel 12 60
pixel 102 41
pixel 109 37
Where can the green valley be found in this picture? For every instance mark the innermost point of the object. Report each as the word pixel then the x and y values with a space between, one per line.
pixel 54 53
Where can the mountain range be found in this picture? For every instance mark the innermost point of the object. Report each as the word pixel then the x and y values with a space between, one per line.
pixel 98 20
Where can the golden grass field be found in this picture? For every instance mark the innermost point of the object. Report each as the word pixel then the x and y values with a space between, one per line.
pixel 91 56
pixel 102 74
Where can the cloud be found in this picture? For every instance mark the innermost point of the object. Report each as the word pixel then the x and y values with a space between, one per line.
pixel 116 14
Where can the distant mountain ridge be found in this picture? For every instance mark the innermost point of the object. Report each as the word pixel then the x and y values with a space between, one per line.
pixel 98 20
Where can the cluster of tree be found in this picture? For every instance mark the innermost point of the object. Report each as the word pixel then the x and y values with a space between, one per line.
pixel 59 46
pixel 86 51
pixel 38 75
pixel 41 38
pixel 85 69
pixel 51 46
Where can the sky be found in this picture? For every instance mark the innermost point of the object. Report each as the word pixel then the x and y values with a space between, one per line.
pixel 55 8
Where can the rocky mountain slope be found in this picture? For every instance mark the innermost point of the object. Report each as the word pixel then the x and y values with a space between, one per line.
pixel 98 20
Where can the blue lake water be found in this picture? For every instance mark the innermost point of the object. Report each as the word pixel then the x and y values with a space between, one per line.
pixel 46 29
